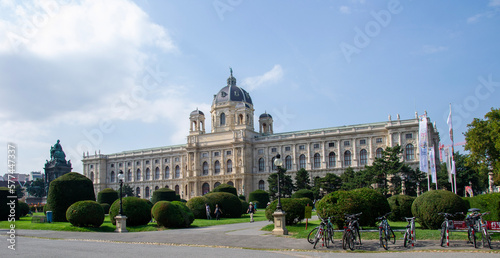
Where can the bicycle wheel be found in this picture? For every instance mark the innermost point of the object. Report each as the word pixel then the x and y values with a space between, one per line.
pixel 312 235
pixel 469 236
pixel 355 234
pixel 474 238
pixel 383 239
pixel 391 235
pixel 326 237
pixel 486 238
pixel 344 240
pixel 443 234
pixel 405 239
pixel 330 234
pixel 317 237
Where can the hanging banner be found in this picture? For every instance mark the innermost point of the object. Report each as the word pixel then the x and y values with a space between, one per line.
pixel 432 159
pixel 422 129
pixel 447 159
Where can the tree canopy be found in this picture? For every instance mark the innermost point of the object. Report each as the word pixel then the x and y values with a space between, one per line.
pixel 302 180
pixel 37 188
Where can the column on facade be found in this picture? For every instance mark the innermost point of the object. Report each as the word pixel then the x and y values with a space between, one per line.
pixel 308 157
pixel 196 165
pixel 354 154
pixel 339 155
pixel 324 158
pixel 294 159
pixel 370 147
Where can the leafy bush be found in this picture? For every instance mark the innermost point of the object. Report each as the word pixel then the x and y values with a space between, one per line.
pixel 163 194
pixel 23 209
pixel 197 206
pixel 85 214
pixel 486 202
pixel 138 211
pixel 225 188
pixel 294 209
pixel 427 206
pixel 244 206
pixel 259 196
pixel 66 190
pixel 5 210
pixel 242 197
pixel 105 207
pixel 229 203
pixel 107 195
pixel 303 193
pixel 173 214
pixel 337 204
pixel 374 205
pixel 400 207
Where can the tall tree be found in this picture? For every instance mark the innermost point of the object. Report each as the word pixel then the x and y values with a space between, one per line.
pixel 483 142
pixel 302 180
pixel 389 164
pixel 127 190
pixel 286 186
pixel 37 188
pixel 330 183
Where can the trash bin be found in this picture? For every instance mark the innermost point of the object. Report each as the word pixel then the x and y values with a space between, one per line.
pixel 49 216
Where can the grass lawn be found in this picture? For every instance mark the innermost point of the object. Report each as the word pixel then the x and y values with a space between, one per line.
pixel 25 223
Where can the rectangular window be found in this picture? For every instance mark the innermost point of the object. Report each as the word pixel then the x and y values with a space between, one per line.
pixel 409 136
pixel 147 162
pixel 91 166
pixel 216 154
pixel 112 165
pixel 347 143
pixel 331 144
pixel 261 151
pixel 362 142
pixel 120 164
pixel 156 161
pixel 166 160
pixel 287 148
pixel 302 147
pixel 316 145
pixel 273 149
pixel 138 163
pixel 204 155
pixel 228 152
pixel 378 140
pixel 176 159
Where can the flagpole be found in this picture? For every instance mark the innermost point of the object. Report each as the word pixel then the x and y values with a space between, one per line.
pixel 453 169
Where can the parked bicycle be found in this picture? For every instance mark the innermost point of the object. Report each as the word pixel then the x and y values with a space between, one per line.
pixel 385 231
pixel 351 235
pixel 322 232
pixel 481 225
pixel 445 227
pixel 471 222
pixel 409 236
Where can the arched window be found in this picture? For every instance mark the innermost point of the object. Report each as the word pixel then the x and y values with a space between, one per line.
pixel 138 175
pixel 167 187
pixel 138 192
pixel 129 176
pixel 167 172
pixel 146 192
pixel 148 174
pixel 176 189
pixel 288 162
pixel 230 183
pixel 409 152
pixel 302 161
pixel 157 173
pixel 317 160
pixel 272 164
pixel 261 185
pixel 261 164
pixel 112 179
pixel 157 187
pixel 177 172
pixel 216 184
pixel 347 159
pixel 217 167
pixel 205 188
pixel 229 166
pixel 240 119
pixel 379 153
pixel 205 168
pixel 331 160
pixel 363 157
pixel 222 119
pixel 92 176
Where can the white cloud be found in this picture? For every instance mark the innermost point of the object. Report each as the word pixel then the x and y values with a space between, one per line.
pixel 272 76
pixel 428 49
pixel 494 3
pixel 345 9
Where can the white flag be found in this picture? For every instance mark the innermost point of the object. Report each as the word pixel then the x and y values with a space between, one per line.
pixel 450 126
pixel 432 157
pixel 453 167
pixel 422 129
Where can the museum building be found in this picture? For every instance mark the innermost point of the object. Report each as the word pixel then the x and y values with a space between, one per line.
pixel 234 153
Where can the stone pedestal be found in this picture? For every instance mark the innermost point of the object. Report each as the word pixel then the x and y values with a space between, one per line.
pixel 121 224
pixel 279 223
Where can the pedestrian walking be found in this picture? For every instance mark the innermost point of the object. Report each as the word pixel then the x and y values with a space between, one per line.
pixel 251 210
pixel 207 207
pixel 217 212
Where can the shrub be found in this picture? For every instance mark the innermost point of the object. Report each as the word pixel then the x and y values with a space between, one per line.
pixel 23 209
pixel 294 209
pixel 173 214
pixel 374 205
pixel 138 211
pixel 197 206
pixel 427 206
pixel 4 200
pixel 337 204
pixel 105 207
pixel 303 193
pixel 85 214
pixel 486 202
pixel 244 206
pixel 259 196
pixel 242 197
pixel 66 190
pixel 400 207
pixel 107 195
pixel 46 208
pixel 229 203
pixel 163 194
pixel 225 188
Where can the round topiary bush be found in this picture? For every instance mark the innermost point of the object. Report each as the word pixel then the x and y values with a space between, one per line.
pixel 294 209
pixel 229 203
pixel 241 196
pixel 172 214
pixel 427 206
pixel 85 214
pixel 374 205
pixel 225 188
pixel 400 207
pixel 107 195
pixel 259 196
pixel 66 190
pixel 197 206
pixel 138 211
pixel 105 207
pixel 486 202
pixel 23 209
pixel 163 194
pixel 244 206
pixel 303 193
pixel 6 211
pixel 337 204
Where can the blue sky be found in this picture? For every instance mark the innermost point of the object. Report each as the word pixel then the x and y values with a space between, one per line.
pixel 121 75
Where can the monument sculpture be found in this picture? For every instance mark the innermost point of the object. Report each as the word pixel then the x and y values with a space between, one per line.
pixel 57 165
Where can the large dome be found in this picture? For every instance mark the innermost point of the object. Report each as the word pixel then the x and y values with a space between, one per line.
pixel 232 93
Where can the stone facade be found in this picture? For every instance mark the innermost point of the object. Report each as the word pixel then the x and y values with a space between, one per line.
pixel 234 153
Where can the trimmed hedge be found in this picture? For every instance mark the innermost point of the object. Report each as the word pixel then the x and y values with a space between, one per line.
pixel 427 206
pixel 242 197
pixel 5 210
pixel 337 204
pixel 225 188
pixel 244 206
pixel 107 195
pixel 163 194
pixel 23 209
pixel 303 193
pixel 486 202
pixel 172 214
pixel 137 210
pixel 294 209
pixel 66 190
pixel 229 203
pixel 400 207
pixel 259 196
pixel 197 206
pixel 105 207
pixel 374 205
pixel 85 214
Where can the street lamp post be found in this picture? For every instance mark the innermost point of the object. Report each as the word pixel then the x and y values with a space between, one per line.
pixel 279 214
pixel 121 220
pixel 120 179
pixel 278 163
